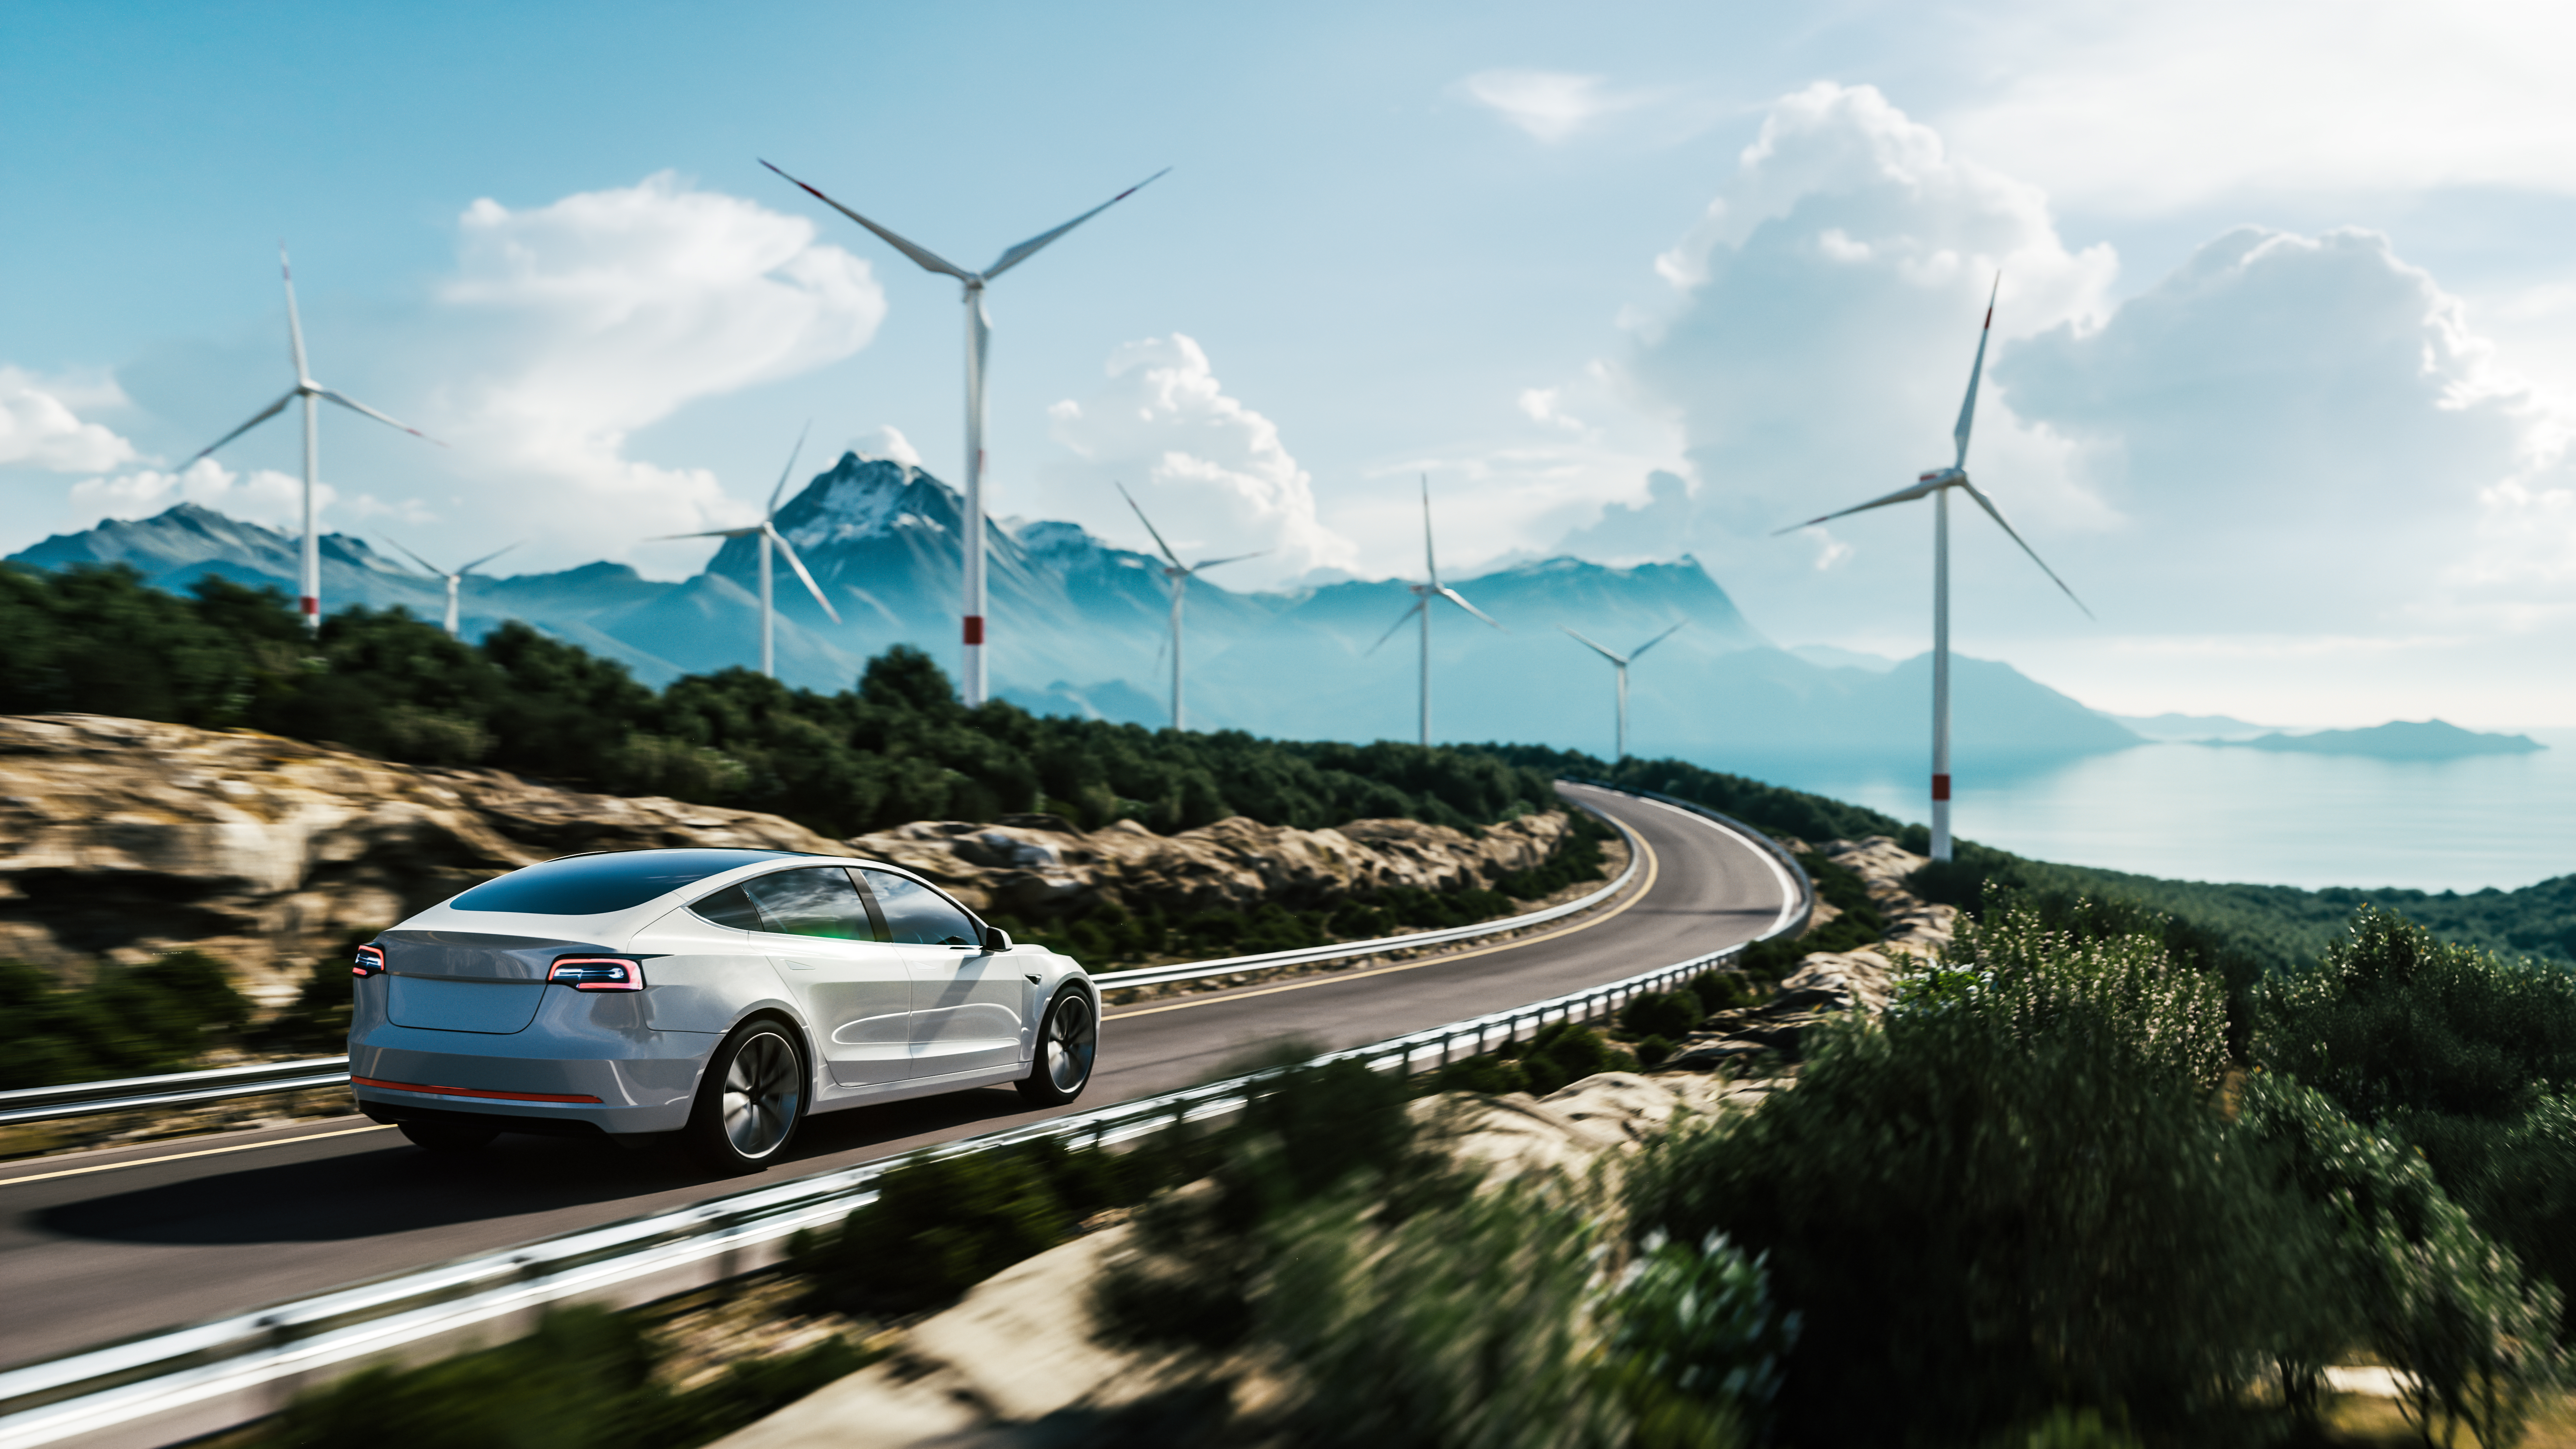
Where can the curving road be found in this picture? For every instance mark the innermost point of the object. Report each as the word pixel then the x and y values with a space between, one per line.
pixel 105 1245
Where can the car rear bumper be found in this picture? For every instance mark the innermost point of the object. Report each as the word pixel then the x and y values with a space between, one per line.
pixel 517 1083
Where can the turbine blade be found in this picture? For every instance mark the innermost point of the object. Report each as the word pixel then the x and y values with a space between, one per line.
pixel 1595 648
pixel 434 569
pixel 294 324
pixel 1419 605
pixel 926 259
pixel 785 473
pixel 263 415
pixel 1968 409
pixel 355 406
pixel 1149 523
pixel 710 533
pixel 1455 597
pixel 798 564
pixel 1209 563
pixel 487 558
pixel 1658 639
pixel 1030 248
pixel 1920 488
pixel 1996 514
pixel 1428 562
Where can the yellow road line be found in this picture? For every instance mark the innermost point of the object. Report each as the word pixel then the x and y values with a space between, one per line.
pixel 1654 867
pixel 200 1152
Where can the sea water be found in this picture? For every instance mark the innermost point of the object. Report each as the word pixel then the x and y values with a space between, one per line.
pixel 2225 813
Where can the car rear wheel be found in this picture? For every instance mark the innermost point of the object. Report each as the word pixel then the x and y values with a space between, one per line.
pixel 440 1137
pixel 1068 1042
pixel 750 1101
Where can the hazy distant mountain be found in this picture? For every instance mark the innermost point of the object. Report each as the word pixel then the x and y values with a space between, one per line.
pixel 1079 627
pixel 1833 658
pixel 2398 740
pixel 2170 726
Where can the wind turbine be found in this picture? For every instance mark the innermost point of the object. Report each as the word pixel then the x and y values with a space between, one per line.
pixel 310 600
pixel 1620 663
pixel 1423 595
pixel 766 530
pixel 1938 484
pixel 453 578
pixel 1178 575
pixel 979 333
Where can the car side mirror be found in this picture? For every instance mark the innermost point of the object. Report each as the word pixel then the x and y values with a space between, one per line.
pixel 996 939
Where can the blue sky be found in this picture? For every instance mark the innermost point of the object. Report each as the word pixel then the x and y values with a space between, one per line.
pixel 2282 378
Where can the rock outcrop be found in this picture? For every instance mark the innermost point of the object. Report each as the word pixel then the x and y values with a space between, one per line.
pixel 1040 865
pixel 124 839
pixel 1834 981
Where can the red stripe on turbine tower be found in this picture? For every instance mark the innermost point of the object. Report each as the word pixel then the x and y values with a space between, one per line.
pixel 974 628
pixel 310 604
pixel 1940 787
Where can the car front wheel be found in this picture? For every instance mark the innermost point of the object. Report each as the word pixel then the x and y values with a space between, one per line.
pixel 1068 1041
pixel 750 1101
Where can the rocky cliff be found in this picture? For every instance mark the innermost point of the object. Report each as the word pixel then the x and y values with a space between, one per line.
pixel 123 839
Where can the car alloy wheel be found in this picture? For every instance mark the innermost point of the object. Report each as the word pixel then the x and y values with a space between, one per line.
pixel 1068 1043
pixel 751 1101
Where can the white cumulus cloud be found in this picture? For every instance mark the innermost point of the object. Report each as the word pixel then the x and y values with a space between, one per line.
pixel 579 322
pixel 39 427
pixel 261 496
pixel 1212 473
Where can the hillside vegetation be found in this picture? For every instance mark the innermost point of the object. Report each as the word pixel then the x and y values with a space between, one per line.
pixel 898 747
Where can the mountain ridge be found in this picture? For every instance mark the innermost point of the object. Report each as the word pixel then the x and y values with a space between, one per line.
pixel 1080 627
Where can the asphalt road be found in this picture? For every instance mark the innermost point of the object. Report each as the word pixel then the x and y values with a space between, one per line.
pixel 105 1245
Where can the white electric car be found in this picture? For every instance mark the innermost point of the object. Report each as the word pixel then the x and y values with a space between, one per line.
pixel 714 995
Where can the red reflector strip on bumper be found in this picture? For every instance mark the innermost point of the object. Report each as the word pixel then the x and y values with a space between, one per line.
pixel 472 1092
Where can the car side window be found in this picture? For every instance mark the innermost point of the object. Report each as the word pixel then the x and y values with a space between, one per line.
pixel 815 901
pixel 731 907
pixel 917 915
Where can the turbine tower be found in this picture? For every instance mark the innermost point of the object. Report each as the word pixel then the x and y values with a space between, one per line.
pixel 979 333
pixel 1620 662
pixel 310 587
pixel 1423 595
pixel 1937 484
pixel 1178 575
pixel 766 530
pixel 453 578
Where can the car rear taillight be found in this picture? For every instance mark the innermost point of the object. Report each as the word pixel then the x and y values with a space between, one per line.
pixel 370 962
pixel 598 973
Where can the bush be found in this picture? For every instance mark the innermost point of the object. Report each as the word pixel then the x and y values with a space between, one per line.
pixel 1723 991
pixel 127 1021
pixel 2010 1195
pixel 1653 1051
pixel 1661 1014
pixel 1697 1324
pixel 2410 1276
pixel 2394 1020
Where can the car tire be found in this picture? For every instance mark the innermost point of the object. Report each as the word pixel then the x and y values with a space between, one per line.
pixel 1068 1044
pixel 441 1137
pixel 750 1101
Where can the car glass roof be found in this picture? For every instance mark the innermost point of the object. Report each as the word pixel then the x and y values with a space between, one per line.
pixel 591 885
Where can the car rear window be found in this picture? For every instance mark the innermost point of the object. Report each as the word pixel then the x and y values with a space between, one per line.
pixel 591 885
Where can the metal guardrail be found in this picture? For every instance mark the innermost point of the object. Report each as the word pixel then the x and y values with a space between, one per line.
pixel 191 1089
pixel 178 1089
pixel 205 1377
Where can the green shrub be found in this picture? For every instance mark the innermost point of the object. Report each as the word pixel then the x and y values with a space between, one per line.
pixel 1464 1328
pixel 1653 1051
pixel 1665 1014
pixel 2410 1276
pixel 1698 1324
pixel 1724 991
pixel 1562 1052
pixel 2004 1199
pixel 126 1021
pixel 2517 1179
pixel 583 1379
pixel 2393 1019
